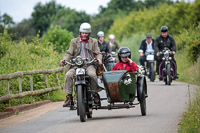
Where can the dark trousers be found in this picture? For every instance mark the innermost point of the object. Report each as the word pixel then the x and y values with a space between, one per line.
pixel 142 60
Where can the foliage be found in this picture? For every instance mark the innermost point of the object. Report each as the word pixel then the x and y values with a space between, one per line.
pixel 43 14
pixel 6 20
pixel 23 30
pixel 176 17
pixel 58 38
pixel 189 39
pixel 5 40
pixel 24 56
pixel 191 119
pixel 70 20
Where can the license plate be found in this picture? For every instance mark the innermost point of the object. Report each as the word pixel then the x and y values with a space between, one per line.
pixel 150 57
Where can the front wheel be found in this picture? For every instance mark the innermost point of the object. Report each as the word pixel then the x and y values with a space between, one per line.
pixel 169 78
pixel 81 97
pixel 152 73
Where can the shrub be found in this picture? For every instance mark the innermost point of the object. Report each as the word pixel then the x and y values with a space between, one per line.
pixel 58 38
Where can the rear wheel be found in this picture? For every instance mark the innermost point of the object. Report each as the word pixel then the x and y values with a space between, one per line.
pixel 152 74
pixel 169 78
pixel 81 96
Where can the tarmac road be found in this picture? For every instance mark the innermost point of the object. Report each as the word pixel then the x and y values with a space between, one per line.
pixel 165 105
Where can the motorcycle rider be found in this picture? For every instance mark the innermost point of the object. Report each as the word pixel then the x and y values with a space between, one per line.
pixel 164 40
pixel 146 45
pixel 125 62
pixel 112 43
pixel 103 45
pixel 86 47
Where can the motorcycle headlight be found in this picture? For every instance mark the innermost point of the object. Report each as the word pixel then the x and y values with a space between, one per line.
pixel 79 61
pixel 166 54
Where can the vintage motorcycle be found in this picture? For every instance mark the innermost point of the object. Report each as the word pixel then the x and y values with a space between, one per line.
pixel 167 68
pixel 150 64
pixel 121 88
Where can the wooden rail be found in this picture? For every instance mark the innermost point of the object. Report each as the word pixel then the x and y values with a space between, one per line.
pixel 32 91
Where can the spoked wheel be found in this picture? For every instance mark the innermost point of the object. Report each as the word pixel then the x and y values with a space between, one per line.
pixel 152 74
pixel 81 96
pixel 169 78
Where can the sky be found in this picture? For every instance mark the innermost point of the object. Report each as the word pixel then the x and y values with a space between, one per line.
pixel 22 9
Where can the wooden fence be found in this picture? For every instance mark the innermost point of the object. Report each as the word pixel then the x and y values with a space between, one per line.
pixel 32 91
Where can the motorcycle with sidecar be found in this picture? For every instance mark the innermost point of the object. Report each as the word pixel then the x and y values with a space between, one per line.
pixel 122 89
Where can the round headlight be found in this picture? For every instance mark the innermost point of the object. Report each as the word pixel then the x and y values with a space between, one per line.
pixel 79 61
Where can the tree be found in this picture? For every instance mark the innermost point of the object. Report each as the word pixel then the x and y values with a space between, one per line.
pixel 57 37
pixel 6 20
pixel 23 30
pixel 42 15
pixel 71 20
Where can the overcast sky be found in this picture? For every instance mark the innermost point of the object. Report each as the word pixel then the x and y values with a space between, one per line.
pixel 22 9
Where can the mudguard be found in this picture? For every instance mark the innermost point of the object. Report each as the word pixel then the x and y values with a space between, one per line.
pixel 141 86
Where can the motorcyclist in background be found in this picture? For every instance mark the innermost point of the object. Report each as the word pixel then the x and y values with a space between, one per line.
pixel 112 43
pixel 165 40
pixel 103 45
pixel 146 45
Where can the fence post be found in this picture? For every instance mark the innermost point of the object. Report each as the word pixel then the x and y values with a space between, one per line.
pixel 46 83
pixel 8 91
pixel 46 80
pixel 20 89
pixel 58 81
pixel 31 87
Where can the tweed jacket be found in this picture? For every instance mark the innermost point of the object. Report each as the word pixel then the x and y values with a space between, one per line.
pixel 75 46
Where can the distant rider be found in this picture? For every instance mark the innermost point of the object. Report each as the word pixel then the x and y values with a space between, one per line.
pixel 146 45
pixel 162 41
pixel 112 43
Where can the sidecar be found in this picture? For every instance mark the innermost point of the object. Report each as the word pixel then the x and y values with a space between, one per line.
pixel 122 88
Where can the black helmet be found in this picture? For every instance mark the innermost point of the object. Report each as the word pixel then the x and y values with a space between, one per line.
pixel 164 29
pixel 124 52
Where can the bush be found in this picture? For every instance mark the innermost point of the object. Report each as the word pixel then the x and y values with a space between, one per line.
pixel 58 38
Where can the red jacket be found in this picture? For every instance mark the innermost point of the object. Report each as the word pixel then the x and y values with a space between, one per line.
pixel 130 67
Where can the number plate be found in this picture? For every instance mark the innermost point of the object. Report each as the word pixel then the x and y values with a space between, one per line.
pixel 80 71
pixel 150 57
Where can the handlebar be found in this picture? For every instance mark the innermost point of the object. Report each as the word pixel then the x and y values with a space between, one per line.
pixel 79 61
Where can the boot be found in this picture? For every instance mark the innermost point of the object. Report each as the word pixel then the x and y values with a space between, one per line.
pixel 69 101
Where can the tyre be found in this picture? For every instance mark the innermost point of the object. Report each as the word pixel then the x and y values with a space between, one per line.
pixel 143 104
pixel 152 73
pixel 141 92
pixel 81 95
pixel 168 78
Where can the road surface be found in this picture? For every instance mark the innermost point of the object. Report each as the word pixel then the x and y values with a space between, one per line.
pixel 165 105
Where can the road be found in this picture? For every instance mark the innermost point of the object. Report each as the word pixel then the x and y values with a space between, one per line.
pixel 165 105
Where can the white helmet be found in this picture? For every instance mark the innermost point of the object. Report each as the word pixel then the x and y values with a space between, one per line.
pixel 100 34
pixel 85 28
pixel 111 37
